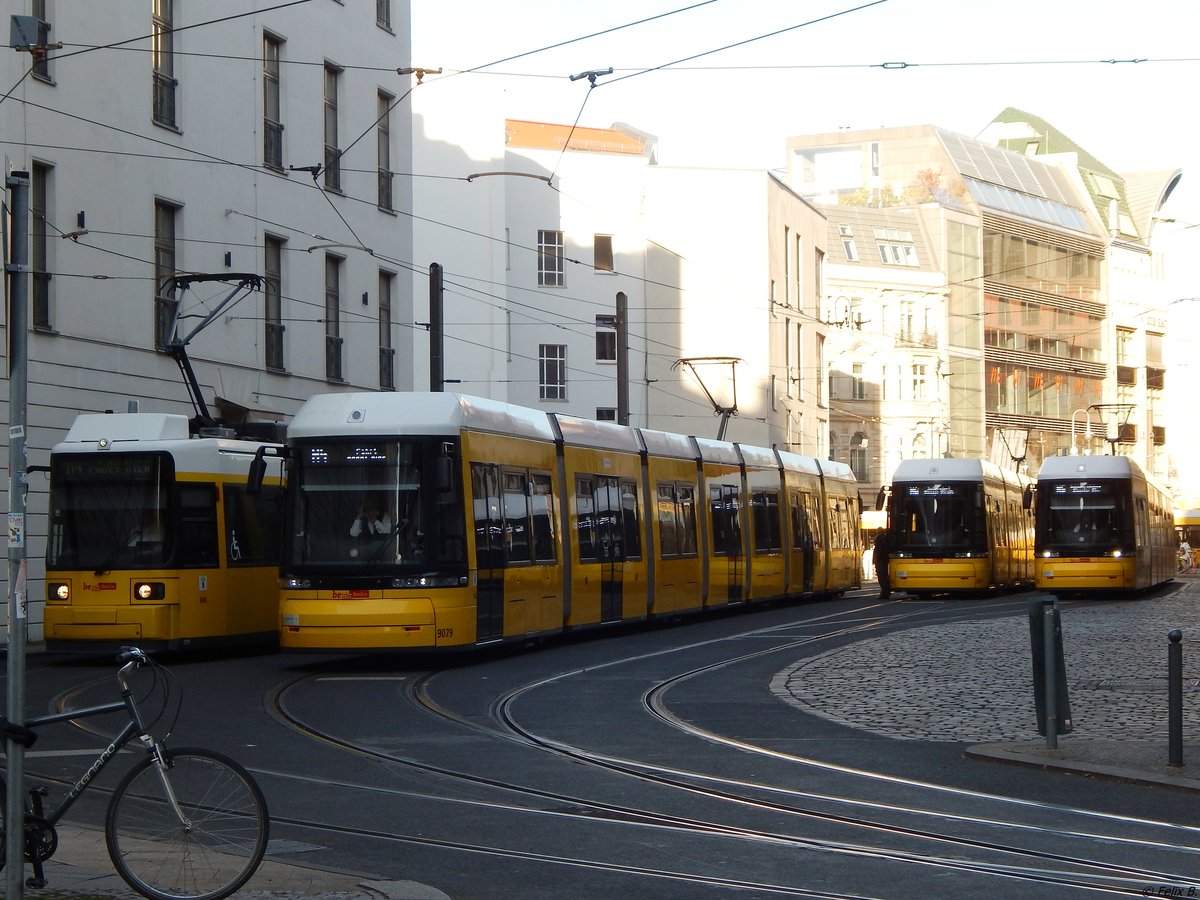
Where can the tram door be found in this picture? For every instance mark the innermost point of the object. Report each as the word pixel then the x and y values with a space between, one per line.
pixel 489 552
pixel 610 549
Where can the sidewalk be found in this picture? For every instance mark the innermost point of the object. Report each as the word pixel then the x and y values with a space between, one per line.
pixel 81 870
pixel 1139 761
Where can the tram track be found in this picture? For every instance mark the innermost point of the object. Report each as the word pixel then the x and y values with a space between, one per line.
pixel 1075 871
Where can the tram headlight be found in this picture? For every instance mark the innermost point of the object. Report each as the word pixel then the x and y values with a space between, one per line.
pixel 58 591
pixel 295 584
pixel 149 590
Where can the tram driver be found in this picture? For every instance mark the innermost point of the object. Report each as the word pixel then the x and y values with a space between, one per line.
pixel 372 519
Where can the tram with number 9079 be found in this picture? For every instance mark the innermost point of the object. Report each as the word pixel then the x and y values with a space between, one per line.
pixel 440 520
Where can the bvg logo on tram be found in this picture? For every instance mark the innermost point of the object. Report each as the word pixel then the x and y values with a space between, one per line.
pixel 98 586
pixel 351 595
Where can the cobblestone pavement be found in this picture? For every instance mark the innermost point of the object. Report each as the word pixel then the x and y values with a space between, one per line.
pixel 973 681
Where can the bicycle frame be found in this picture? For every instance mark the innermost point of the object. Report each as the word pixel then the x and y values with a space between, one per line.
pixel 134 728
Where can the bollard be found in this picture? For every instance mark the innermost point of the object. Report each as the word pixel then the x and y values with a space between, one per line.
pixel 1175 698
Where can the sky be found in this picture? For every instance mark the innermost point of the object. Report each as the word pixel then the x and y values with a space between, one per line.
pixel 808 66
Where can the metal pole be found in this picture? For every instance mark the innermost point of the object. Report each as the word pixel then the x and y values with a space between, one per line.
pixel 1175 698
pixel 18 368
pixel 1051 688
pixel 622 358
pixel 437 336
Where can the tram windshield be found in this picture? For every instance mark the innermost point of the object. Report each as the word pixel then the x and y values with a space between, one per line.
pixel 1084 516
pixel 110 510
pixel 938 517
pixel 364 506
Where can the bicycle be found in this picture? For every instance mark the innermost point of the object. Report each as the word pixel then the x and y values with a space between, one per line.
pixel 184 823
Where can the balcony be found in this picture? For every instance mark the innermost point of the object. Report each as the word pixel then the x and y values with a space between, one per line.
pixel 164 99
pixel 925 339
pixel 385 190
pixel 273 144
pixel 387 368
pixel 1155 378
pixel 275 346
pixel 333 358
pixel 1126 375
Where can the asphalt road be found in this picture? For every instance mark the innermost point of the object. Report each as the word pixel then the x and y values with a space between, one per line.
pixel 799 750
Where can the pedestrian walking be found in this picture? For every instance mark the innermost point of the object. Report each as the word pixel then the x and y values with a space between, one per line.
pixel 880 557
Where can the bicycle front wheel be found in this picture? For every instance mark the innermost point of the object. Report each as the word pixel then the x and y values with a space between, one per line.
pixel 209 853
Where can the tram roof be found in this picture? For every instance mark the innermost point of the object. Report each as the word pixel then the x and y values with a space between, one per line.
pixel 413 413
pixel 953 469
pixel 1082 466
pixel 90 428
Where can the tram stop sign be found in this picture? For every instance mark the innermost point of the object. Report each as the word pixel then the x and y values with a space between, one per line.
pixel 1039 622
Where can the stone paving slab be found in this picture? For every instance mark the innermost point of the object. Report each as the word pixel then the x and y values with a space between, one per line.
pixel 973 682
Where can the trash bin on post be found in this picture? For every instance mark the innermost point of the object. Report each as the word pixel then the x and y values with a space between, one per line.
pixel 1049 669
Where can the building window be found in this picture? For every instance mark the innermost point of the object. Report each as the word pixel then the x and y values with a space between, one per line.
pixel 162 52
pixel 383 14
pixel 333 317
pixel 896 247
pixel 858 456
pixel 606 338
pixel 333 166
pixel 858 388
pixel 272 114
pixel 850 250
pixel 39 245
pixel 550 259
pixel 387 353
pixel 602 253
pixel 273 288
pixel 383 135
pixel 552 371
pixel 606 414
pixel 165 221
pixel 919 381
pixel 41 59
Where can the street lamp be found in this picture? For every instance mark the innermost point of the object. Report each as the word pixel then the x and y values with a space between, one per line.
pixel 1087 434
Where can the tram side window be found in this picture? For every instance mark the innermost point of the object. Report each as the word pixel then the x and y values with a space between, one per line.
pixel 813 508
pixel 542 507
pixel 723 507
pixel 666 513
pixel 585 516
pixel 764 507
pixel 676 513
pixel 489 524
pixel 252 526
pixel 516 518
pixel 631 531
pixel 198 525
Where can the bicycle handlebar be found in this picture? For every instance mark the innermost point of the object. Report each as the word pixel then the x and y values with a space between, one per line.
pixel 132 655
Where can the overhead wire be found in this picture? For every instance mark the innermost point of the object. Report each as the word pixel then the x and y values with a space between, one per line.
pixel 210 158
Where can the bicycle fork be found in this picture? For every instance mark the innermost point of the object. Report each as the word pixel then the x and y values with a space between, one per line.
pixel 161 767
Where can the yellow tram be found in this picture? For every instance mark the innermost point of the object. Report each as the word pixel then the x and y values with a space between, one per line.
pixel 1102 525
pixel 496 523
pixel 958 526
pixel 154 539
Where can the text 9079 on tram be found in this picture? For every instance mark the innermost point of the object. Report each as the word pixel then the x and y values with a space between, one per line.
pixel 436 520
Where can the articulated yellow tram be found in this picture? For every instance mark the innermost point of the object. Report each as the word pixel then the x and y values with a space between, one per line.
pixel 1102 525
pixel 958 526
pixel 438 520
pixel 154 539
